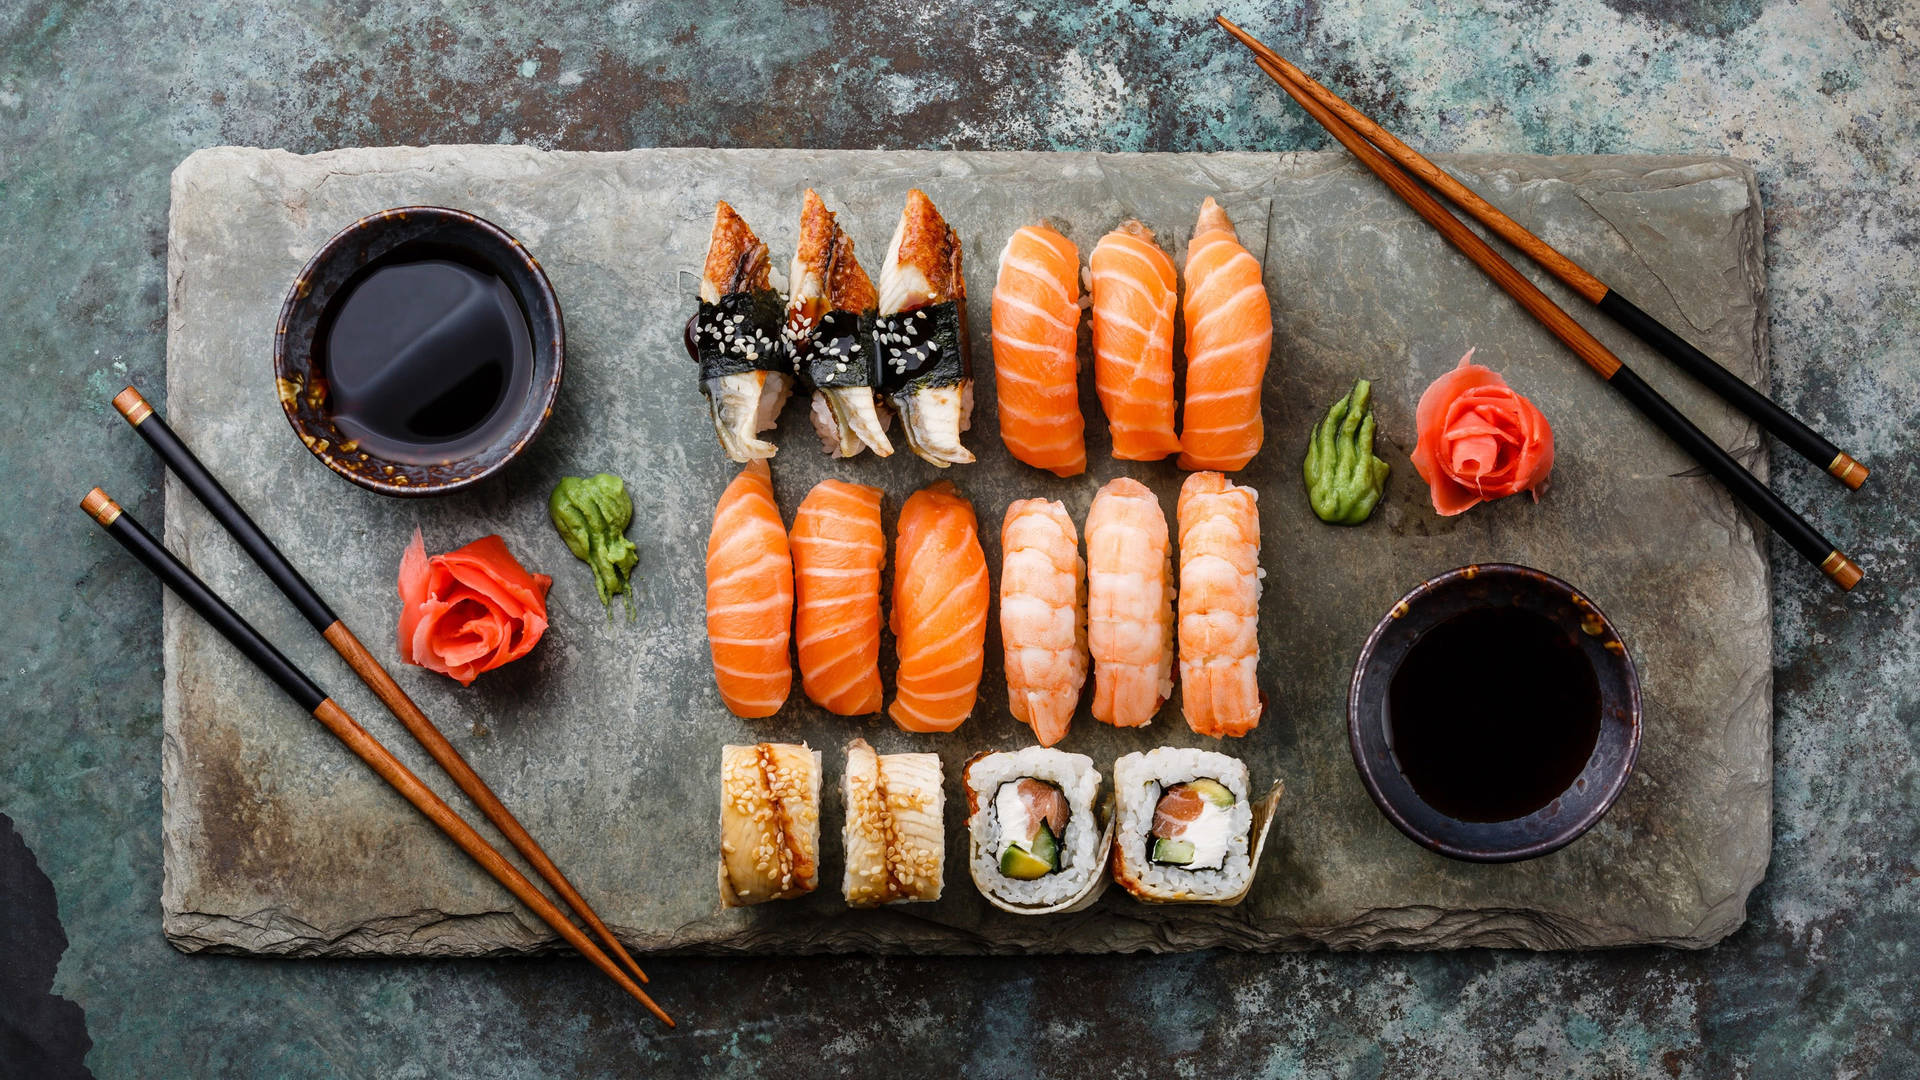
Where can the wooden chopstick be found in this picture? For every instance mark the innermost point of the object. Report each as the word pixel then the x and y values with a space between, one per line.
pixel 153 428
pixel 1784 425
pixel 1743 484
pixel 188 586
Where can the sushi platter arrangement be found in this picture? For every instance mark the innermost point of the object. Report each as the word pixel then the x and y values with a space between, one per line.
pixel 874 697
pixel 1239 546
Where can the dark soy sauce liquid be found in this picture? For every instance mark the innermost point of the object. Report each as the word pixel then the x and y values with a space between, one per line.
pixel 1493 714
pixel 426 358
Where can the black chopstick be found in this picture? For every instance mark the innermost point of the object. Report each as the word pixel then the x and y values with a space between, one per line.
pixel 1743 484
pixel 1788 428
pixel 308 695
pixel 153 428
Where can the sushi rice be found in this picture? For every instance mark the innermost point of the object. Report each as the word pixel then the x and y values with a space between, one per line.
pixel 1139 780
pixel 1082 849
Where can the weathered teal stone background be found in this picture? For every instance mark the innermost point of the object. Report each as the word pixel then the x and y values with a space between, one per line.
pixel 98 101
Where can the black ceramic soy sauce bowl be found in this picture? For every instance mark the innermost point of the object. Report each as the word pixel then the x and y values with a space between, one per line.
pixel 1591 793
pixel 299 370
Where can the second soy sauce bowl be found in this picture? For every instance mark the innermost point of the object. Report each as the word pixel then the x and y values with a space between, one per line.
pixel 416 233
pixel 1474 592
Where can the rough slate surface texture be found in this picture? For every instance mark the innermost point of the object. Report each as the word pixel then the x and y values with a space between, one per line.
pixel 99 103
pixel 606 741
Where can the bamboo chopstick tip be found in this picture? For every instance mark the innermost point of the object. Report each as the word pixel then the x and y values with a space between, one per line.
pixel 1849 471
pixel 99 507
pixel 1844 571
pixel 132 405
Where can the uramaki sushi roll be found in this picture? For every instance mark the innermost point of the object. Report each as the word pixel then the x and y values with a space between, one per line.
pixel 769 822
pixel 895 834
pixel 1037 841
pixel 1188 830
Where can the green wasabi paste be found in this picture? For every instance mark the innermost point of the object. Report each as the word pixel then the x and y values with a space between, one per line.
pixel 592 515
pixel 1344 479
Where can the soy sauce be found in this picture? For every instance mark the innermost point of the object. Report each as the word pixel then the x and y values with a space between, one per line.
pixel 1493 714
pixel 426 358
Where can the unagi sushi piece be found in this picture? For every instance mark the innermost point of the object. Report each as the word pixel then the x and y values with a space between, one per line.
pixel 1135 298
pixel 829 334
pixel 921 336
pixel 1129 604
pixel 939 617
pixel 750 596
pixel 838 549
pixel 895 835
pixel 1229 335
pixel 735 337
pixel 1043 607
pixel 1219 605
pixel 1036 366
pixel 769 823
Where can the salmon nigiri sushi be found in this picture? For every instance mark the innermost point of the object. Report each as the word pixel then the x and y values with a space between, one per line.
pixel 1219 605
pixel 1043 606
pixel 830 316
pixel 838 549
pixel 921 336
pixel 1129 604
pixel 735 337
pixel 1134 303
pixel 750 596
pixel 940 596
pixel 1036 365
pixel 1229 335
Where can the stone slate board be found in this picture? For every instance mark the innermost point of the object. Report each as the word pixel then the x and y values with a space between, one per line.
pixel 606 739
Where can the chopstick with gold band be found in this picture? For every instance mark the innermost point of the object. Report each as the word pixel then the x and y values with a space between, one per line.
pixel 153 428
pixel 1755 495
pixel 1785 426
pixel 188 586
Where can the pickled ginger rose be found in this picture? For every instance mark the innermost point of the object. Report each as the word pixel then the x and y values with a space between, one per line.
pixel 470 610
pixel 1479 440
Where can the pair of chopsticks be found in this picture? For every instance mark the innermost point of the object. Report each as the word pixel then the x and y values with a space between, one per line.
pixel 1374 146
pixel 188 586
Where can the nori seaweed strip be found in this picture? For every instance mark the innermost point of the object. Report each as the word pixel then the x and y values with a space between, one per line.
pixel 838 350
pixel 923 348
pixel 740 333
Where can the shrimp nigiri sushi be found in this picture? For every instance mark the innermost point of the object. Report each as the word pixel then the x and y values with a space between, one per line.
pixel 735 337
pixel 1043 606
pixel 1134 303
pixel 1036 365
pixel 1219 605
pixel 838 549
pixel 940 596
pixel 921 335
pixel 750 596
pixel 1229 335
pixel 1129 604
pixel 829 334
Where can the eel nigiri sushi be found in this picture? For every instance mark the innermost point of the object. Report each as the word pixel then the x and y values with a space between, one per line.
pixel 940 595
pixel 1229 335
pixel 829 334
pixel 1129 604
pixel 921 335
pixel 769 822
pixel 750 596
pixel 735 337
pixel 838 549
pixel 1043 606
pixel 1135 297
pixel 1036 365
pixel 896 833
pixel 1219 605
